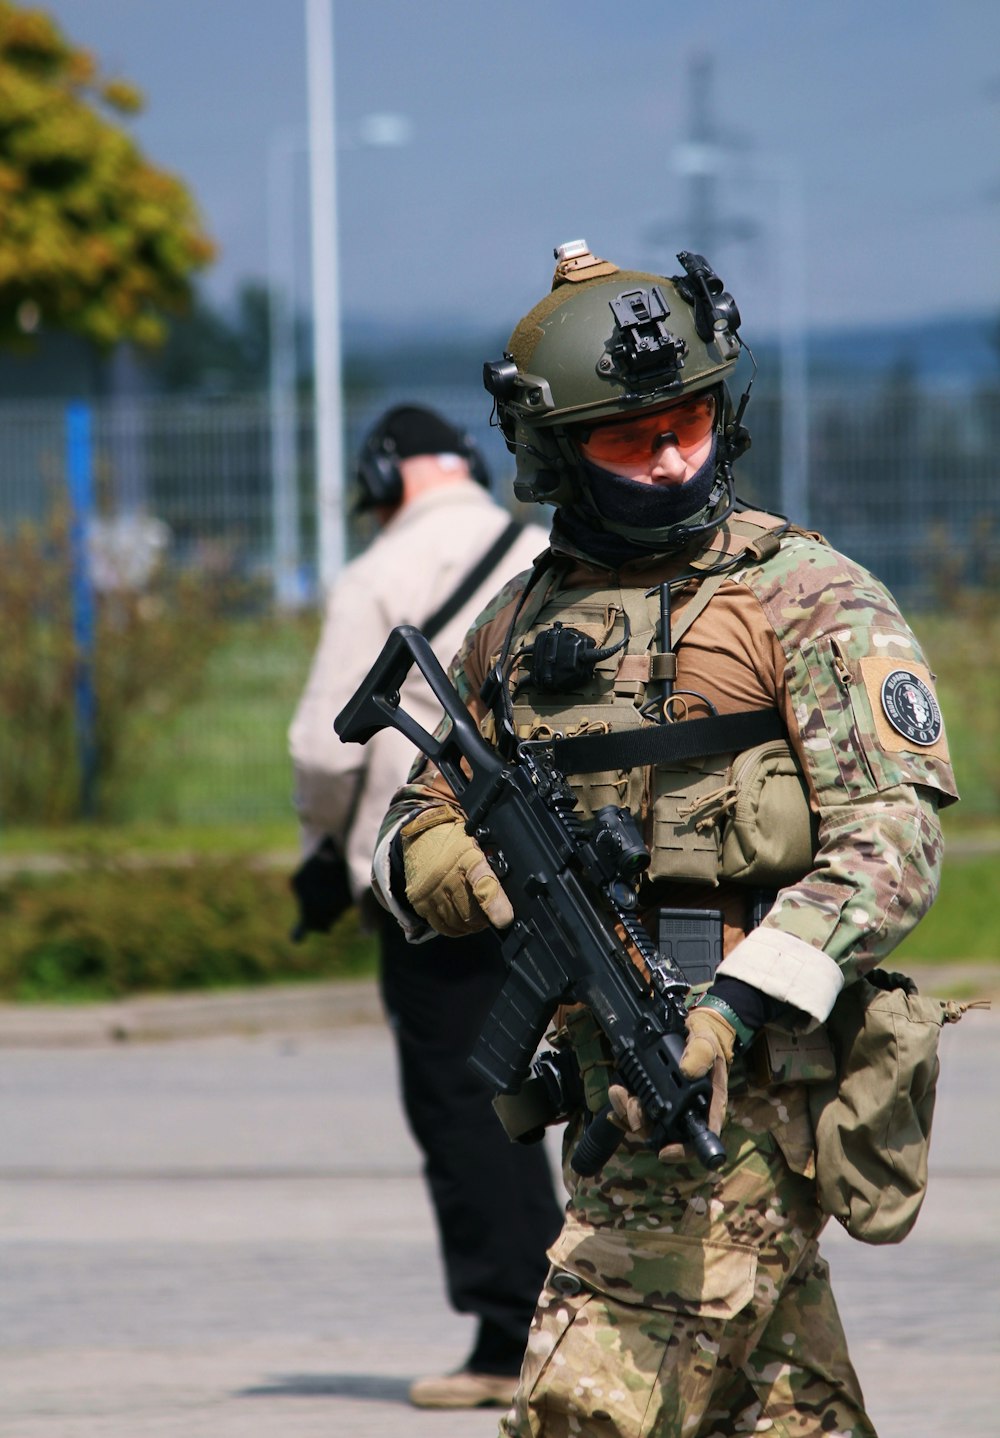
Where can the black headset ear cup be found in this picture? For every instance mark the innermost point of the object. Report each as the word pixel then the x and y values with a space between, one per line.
pixel 379 476
pixel 378 473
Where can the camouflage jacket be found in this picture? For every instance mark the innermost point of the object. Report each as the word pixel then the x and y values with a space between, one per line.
pixel 797 627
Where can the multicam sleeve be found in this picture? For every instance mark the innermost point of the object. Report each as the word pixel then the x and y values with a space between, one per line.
pixel 861 710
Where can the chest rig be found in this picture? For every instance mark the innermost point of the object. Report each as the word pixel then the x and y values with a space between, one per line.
pixel 593 669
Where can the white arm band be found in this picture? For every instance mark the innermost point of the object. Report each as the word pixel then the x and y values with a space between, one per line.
pixel 786 967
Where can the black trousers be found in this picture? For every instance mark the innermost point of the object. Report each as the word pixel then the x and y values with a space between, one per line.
pixel 493 1200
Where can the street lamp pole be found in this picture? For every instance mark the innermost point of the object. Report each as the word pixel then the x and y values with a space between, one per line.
pixel 328 393
pixel 794 365
pixel 281 367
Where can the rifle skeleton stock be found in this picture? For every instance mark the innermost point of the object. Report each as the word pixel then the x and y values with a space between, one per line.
pixel 572 886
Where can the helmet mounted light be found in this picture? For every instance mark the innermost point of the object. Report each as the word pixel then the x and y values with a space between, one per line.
pixel 715 311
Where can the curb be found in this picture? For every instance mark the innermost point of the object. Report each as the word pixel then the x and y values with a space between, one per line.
pixel 302 1008
pixel 283 1009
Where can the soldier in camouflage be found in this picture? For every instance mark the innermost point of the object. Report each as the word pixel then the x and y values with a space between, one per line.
pixel 681 1302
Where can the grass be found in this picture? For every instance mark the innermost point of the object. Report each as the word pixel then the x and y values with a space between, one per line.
pixel 255 839
pixel 964 924
pixel 963 649
pixel 225 758
pixel 216 782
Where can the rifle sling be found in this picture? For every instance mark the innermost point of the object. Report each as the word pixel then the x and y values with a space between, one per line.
pixel 476 576
pixel 662 743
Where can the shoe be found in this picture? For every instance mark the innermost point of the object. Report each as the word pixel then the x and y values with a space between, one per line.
pixel 463 1389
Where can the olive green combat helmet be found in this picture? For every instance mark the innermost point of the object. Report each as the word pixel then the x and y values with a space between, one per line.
pixel 608 342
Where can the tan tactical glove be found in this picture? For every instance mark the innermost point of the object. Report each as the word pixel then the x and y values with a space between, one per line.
pixel 710 1037
pixel 449 882
pixel 710 1045
pixel 711 1042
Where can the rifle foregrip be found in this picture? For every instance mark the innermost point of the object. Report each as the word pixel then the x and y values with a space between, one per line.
pixel 600 1139
pixel 708 1147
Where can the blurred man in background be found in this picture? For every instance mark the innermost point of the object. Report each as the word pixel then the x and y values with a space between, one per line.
pixel 444 547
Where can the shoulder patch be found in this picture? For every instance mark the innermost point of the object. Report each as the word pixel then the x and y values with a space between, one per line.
pixel 904 705
pixel 910 707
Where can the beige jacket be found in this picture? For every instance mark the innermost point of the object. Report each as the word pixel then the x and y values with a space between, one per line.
pixel 412 567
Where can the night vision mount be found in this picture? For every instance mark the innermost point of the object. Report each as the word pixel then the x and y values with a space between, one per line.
pixel 643 345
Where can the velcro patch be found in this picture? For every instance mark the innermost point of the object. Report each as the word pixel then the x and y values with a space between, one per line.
pixel 904 705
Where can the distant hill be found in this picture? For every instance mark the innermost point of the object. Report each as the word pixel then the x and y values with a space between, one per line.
pixel 939 350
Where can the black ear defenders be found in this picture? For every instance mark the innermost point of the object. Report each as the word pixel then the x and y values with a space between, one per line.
pixel 378 475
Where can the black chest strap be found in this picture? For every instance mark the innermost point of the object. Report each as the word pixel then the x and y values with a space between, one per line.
pixel 662 743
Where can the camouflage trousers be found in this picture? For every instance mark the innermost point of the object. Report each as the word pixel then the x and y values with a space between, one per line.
pixel 687 1305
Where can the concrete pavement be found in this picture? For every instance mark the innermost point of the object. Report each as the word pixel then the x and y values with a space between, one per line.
pixel 223 1237
pixel 229 1236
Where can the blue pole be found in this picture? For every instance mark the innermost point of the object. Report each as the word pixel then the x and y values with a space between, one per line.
pixel 79 475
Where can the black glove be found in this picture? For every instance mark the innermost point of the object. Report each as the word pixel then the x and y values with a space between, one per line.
pixel 888 980
pixel 323 890
pixel 748 1008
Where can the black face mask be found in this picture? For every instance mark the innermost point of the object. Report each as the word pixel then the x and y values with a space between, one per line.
pixel 639 506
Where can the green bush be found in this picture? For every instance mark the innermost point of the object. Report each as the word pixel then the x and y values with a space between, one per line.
pixel 151 648
pixel 108 930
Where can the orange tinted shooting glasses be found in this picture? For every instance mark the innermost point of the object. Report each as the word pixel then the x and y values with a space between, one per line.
pixel 634 440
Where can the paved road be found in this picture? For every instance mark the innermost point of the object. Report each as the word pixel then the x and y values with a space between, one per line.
pixel 228 1238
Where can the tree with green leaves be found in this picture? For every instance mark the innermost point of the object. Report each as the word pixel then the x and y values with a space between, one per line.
pixel 93 238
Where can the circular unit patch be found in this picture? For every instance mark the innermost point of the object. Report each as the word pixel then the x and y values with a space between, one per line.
pixel 911 708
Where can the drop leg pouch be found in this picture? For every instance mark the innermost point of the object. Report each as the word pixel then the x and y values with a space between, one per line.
pixel 873 1122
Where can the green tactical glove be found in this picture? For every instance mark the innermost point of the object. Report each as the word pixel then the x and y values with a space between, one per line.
pixel 449 882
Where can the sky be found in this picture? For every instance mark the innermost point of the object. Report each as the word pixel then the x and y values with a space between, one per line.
pixel 857 146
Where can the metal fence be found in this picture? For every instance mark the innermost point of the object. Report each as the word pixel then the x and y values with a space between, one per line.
pixel 902 480
pixel 894 476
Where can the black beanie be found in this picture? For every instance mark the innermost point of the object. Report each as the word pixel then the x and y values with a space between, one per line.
pixel 410 429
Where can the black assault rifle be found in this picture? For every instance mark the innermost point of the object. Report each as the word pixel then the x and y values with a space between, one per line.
pixel 572 886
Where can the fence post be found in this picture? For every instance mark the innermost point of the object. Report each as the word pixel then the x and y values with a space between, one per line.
pixel 79 478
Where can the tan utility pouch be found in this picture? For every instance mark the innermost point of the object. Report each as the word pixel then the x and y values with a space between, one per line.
pixel 783 1056
pixel 765 829
pixel 685 845
pixel 873 1123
